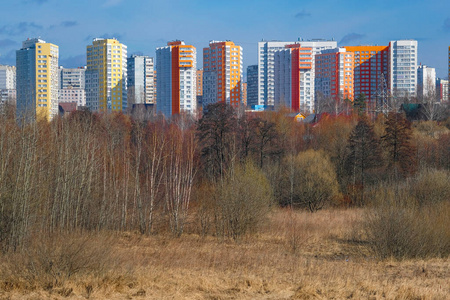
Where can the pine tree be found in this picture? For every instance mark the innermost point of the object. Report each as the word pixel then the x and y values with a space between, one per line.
pixel 397 144
pixel 364 154
pixel 359 103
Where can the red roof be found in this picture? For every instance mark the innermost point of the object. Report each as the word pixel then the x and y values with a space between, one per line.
pixel 68 107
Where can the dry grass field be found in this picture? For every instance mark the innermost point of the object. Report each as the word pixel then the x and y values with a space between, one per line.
pixel 295 256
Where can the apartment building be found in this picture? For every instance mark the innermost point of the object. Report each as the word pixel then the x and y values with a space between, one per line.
pixel 7 77
pixel 199 88
pixel 7 83
pixel 402 79
pixel 37 80
pixel 140 80
pixel 334 74
pixel 106 75
pixel 72 85
pixel 252 85
pixel 294 78
pixel 244 94
pixel 222 73
pixel 176 66
pixel 370 71
pixel 266 65
pixel 426 82
pixel 442 90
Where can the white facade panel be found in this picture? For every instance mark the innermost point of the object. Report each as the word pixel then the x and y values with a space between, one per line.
pixel 403 67
pixel 266 69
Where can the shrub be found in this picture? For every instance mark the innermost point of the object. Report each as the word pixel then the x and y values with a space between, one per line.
pixel 311 180
pixel 431 186
pixel 242 201
pixel 49 262
pixel 204 195
pixel 396 227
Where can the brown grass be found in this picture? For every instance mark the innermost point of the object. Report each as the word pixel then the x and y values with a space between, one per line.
pixel 297 255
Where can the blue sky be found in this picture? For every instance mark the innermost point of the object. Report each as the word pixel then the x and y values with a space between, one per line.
pixel 147 24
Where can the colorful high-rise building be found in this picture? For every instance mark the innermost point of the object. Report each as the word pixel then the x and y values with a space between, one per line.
pixel 176 66
pixel 222 73
pixel 370 71
pixel 294 78
pixel 37 80
pixel 140 80
pixel 252 85
pixel 106 75
pixel 385 70
pixel 334 74
pixel 266 65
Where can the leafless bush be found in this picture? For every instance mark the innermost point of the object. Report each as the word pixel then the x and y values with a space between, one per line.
pixel 296 233
pixel 48 262
pixel 204 196
pixel 431 186
pixel 396 227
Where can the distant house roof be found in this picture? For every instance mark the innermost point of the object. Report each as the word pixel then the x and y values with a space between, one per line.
pixel 412 110
pixel 297 116
pixel 312 118
pixel 67 107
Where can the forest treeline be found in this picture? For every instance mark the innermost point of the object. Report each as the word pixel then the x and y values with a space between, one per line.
pixel 220 175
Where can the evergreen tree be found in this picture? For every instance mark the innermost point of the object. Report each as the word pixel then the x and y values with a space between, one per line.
pixel 363 154
pixel 359 103
pixel 397 144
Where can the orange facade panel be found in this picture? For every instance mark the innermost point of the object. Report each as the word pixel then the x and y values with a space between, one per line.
pixel 371 64
pixel 182 56
pixel 215 59
pixel 337 67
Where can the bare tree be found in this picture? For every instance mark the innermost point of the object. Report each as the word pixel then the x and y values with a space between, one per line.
pixel 264 135
pixel 179 177
pixel 332 105
pixel 217 139
pixel 154 175
pixel 430 108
